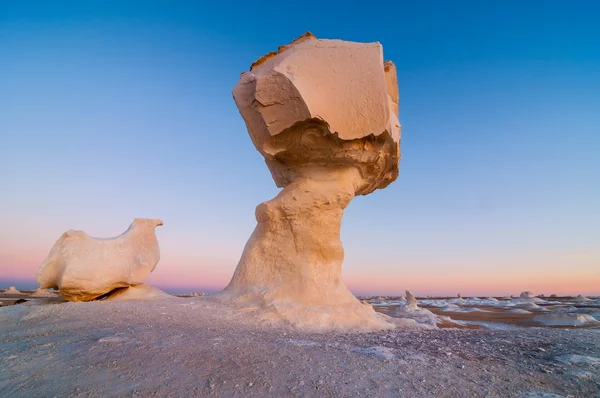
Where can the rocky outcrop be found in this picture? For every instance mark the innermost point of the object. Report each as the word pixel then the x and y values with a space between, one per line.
pixel 12 290
pixel 411 310
pixel 566 319
pixel 84 268
pixel 323 113
pixel 582 299
pixel 411 301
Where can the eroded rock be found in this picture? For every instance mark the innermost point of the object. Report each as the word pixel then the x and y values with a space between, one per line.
pixel 84 268
pixel 39 292
pixel 324 115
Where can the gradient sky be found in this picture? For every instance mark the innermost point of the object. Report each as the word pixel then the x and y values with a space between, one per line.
pixel 111 110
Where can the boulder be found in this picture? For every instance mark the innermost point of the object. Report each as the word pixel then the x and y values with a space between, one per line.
pixel 84 268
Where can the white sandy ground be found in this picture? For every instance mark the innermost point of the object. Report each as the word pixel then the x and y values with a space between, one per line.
pixel 193 347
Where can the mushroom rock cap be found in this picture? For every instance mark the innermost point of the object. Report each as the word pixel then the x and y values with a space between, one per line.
pixel 327 102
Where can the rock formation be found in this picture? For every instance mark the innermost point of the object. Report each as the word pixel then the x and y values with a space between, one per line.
pixel 324 115
pixel 12 290
pixel 582 299
pixel 84 268
pixel 411 301
pixel 39 292
pixel 411 310
pixel 566 319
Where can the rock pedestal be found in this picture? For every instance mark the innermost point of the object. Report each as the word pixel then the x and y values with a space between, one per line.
pixel 323 113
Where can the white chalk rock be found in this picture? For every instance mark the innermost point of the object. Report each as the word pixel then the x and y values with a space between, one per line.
pixel 566 319
pixel 411 301
pixel 310 101
pixel 141 292
pixel 323 113
pixel 526 298
pixel 84 268
pixel 12 290
pixel 582 299
pixel 411 310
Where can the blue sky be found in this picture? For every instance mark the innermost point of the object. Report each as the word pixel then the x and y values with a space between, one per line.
pixel 112 110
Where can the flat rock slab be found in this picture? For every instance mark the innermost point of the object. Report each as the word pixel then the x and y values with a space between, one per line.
pixel 194 347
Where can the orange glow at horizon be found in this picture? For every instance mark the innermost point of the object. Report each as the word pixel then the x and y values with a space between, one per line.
pixel 193 270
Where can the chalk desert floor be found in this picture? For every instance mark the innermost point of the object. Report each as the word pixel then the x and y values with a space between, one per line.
pixel 191 347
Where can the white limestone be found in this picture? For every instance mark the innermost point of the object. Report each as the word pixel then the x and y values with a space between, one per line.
pixel 84 268
pixel 582 299
pixel 12 290
pixel 566 319
pixel 411 310
pixel 39 292
pixel 323 113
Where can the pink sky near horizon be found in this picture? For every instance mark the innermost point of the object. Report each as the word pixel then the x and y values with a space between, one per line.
pixel 187 266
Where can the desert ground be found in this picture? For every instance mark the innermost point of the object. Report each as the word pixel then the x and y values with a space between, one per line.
pixel 192 346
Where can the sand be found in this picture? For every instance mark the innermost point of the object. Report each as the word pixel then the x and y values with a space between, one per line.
pixel 191 347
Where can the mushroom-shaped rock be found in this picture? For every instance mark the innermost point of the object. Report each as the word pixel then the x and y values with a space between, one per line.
pixel 324 115
pixel 84 268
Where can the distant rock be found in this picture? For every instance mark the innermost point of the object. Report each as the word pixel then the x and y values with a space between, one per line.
pixel 527 297
pixel 411 310
pixel 582 299
pixel 12 290
pixel 566 319
pixel 411 301
pixel 39 292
